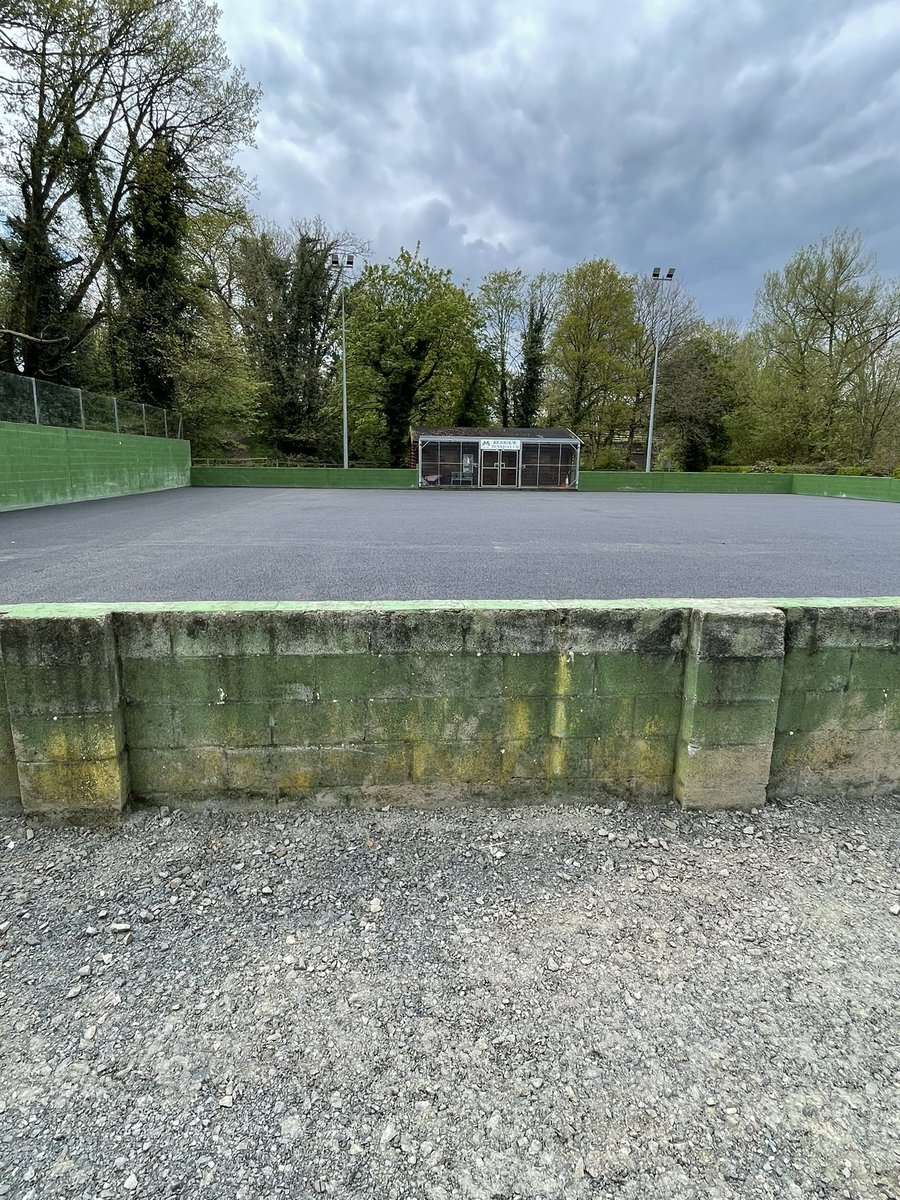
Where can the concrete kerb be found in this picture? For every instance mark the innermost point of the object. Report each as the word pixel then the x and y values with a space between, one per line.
pixel 719 703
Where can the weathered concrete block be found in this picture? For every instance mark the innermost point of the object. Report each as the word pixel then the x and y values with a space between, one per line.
pixel 592 716
pixel 420 631
pixel 637 765
pixel 629 673
pixel 548 675
pixel 815 628
pixel 74 788
pixel 143 634
pixel 823 670
pixel 474 675
pixel 435 719
pixel 363 676
pixel 319 722
pixel 875 669
pixel 732 685
pixel 10 796
pixel 657 716
pixel 84 737
pixel 331 629
pixel 825 763
pixel 451 763
pixel 161 775
pixel 228 724
pixel 149 726
pixel 221 633
pixel 641 630
pixel 63 699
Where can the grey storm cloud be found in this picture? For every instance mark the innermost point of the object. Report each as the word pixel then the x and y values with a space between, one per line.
pixel 716 136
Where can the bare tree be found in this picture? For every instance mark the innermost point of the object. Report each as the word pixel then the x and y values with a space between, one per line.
pixel 669 312
pixel 501 299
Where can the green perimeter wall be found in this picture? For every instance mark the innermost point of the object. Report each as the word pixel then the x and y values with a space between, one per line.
pixel 719 704
pixel 42 464
pixel 304 477
pixel 721 482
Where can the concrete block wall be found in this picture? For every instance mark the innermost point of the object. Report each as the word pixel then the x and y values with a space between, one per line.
pixel 42 464
pixel 839 718
pixel 719 704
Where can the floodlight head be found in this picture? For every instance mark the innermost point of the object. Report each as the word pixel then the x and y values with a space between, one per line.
pixel 670 274
pixel 348 261
pixel 656 272
pixel 335 261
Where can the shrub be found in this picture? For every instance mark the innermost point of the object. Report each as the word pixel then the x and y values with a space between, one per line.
pixel 611 458
pixel 763 468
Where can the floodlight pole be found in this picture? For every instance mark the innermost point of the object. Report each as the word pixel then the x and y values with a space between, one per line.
pixel 340 264
pixel 344 379
pixel 658 278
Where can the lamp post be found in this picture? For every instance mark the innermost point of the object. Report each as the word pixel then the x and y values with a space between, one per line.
pixel 340 264
pixel 659 278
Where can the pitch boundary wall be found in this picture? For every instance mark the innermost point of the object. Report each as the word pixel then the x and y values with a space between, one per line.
pixel 48 464
pixel 719 704
pixel 851 487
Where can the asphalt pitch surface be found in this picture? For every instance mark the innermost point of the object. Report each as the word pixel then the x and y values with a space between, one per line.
pixel 305 544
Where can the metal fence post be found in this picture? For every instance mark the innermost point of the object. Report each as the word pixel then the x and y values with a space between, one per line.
pixel 165 423
pixel 116 412
pixel 37 411
pixel 81 407
pixel 178 435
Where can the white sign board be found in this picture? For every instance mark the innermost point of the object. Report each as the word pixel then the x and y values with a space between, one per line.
pixel 501 444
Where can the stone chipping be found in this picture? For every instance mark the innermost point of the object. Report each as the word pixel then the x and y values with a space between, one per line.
pixel 599 1002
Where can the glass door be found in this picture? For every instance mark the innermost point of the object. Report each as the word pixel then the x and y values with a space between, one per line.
pixel 500 468
pixel 509 468
pixel 490 468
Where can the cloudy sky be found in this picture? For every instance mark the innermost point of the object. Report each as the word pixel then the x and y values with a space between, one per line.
pixel 714 135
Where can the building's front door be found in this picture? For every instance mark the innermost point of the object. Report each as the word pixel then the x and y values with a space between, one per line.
pixel 500 468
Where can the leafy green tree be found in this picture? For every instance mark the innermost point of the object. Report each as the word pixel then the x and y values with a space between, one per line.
pixel 413 341
pixel 695 394
pixel 475 400
pixel 593 372
pixel 825 327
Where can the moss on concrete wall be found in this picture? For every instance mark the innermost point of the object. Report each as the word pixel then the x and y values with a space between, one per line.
pixel 41 464
pixel 718 703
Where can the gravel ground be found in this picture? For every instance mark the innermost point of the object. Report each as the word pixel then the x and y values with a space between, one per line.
pixel 577 1002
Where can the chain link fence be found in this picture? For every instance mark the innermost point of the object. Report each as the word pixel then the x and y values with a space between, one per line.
pixel 39 402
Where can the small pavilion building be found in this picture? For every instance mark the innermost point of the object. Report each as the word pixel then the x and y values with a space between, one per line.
pixel 495 458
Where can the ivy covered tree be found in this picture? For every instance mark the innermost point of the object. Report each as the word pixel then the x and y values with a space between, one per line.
pixel 286 299
pixel 152 276
pixel 89 88
pixel 413 342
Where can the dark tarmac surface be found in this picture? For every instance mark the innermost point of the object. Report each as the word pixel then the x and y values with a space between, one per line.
pixel 301 544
